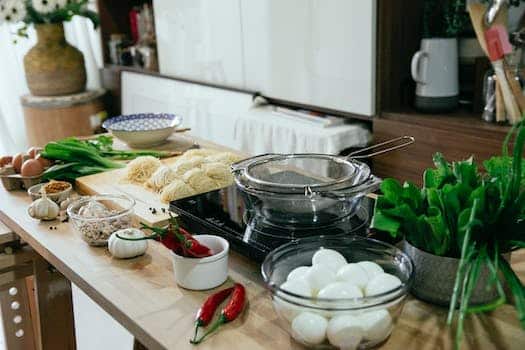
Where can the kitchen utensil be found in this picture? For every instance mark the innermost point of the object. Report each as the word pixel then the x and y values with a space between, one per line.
pixel 515 87
pixel 477 12
pixel 203 273
pixel 501 116
pixel 308 189
pixel 489 94
pixel 222 212
pixel 435 70
pixel 288 305
pixel 493 11
pixel 143 130
pixel 497 47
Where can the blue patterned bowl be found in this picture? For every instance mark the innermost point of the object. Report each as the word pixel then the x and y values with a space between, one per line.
pixel 143 130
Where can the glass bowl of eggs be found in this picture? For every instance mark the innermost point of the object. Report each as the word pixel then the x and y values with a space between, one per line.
pixel 344 292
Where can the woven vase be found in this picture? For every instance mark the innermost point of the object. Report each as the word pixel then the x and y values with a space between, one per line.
pixel 53 67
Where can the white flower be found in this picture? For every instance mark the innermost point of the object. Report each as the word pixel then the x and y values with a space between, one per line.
pixel 48 6
pixel 12 10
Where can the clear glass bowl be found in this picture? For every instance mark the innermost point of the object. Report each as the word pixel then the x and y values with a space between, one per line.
pixel 380 310
pixel 96 224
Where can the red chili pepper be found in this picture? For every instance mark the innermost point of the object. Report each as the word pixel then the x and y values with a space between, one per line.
pixel 229 313
pixel 176 239
pixel 207 310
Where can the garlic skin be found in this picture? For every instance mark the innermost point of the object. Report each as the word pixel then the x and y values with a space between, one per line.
pixel 43 209
pixel 123 249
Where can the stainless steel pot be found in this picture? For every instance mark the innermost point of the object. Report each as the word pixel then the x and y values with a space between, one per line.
pixel 307 189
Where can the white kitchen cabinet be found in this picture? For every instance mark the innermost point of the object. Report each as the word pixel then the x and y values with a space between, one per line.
pixel 210 112
pixel 200 40
pixel 316 52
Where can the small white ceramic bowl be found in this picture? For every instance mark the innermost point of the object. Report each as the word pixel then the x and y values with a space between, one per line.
pixel 203 273
pixel 143 130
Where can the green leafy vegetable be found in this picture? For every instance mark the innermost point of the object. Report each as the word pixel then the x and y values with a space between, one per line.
pixel 465 213
pixel 75 157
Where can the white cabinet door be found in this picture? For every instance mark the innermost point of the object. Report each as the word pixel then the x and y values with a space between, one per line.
pixel 318 52
pixel 200 40
pixel 211 113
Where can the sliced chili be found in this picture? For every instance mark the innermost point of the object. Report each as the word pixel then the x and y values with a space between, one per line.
pixel 229 312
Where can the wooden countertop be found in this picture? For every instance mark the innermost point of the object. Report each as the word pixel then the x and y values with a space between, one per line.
pixel 142 295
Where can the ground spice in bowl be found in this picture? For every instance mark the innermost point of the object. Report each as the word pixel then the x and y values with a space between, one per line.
pixel 56 186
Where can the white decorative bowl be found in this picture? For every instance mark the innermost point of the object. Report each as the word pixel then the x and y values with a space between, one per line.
pixel 143 130
pixel 203 273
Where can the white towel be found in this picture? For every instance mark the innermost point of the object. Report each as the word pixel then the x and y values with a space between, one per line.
pixel 261 131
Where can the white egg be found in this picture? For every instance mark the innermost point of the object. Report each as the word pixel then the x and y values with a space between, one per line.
pixel 340 290
pixel 286 309
pixel 376 325
pixel 329 257
pixel 345 332
pixel 298 272
pixel 353 273
pixel 319 277
pixel 298 286
pixel 382 283
pixel 371 268
pixel 309 328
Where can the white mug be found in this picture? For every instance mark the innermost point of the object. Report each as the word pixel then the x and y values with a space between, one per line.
pixel 435 70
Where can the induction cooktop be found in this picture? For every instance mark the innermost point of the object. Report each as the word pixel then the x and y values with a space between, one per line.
pixel 222 212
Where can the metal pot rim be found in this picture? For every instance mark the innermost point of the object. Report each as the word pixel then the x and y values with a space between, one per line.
pixel 241 171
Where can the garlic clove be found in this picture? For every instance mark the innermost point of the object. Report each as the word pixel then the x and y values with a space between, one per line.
pixel 43 208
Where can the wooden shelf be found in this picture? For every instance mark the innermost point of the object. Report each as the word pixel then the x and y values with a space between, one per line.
pixel 457 135
pixel 460 120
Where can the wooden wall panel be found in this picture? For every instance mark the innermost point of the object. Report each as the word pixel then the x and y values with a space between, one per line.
pixel 455 136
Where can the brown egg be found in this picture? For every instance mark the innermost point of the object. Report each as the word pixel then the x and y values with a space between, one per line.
pixel 31 167
pixel 34 151
pixel 43 161
pixel 18 160
pixel 5 160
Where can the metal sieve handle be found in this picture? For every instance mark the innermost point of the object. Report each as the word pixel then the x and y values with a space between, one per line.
pixel 407 140
pixel 243 164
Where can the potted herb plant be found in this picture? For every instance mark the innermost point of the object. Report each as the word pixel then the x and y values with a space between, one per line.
pixel 459 227
pixel 52 66
pixel 435 66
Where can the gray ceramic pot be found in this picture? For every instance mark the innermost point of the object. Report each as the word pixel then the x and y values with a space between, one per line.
pixel 435 277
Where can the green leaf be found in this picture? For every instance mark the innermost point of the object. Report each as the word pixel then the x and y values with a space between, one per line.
pixel 435 178
pixel 440 235
pixel 383 222
pixel 466 172
pixel 391 190
pixel 413 196
pixel 516 287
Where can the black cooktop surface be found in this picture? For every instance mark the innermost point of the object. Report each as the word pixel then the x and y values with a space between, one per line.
pixel 222 212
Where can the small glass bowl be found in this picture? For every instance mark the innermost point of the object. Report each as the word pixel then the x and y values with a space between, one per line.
pixel 95 229
pixel 383 309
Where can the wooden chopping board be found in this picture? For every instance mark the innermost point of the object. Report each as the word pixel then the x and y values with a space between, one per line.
pixel 110 182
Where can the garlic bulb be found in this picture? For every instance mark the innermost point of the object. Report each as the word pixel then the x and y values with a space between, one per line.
pixel 43 208
pixel 124 249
